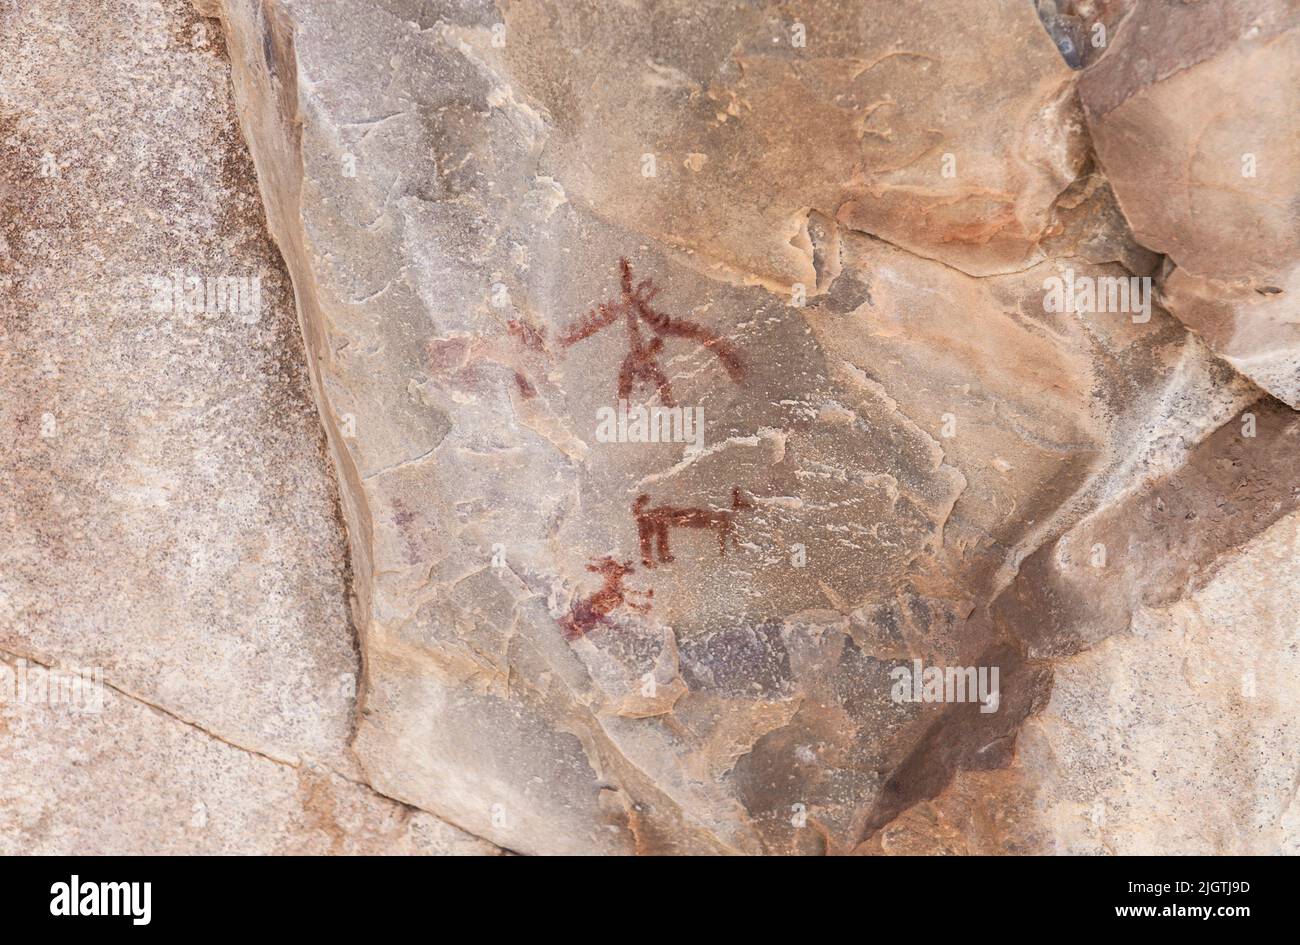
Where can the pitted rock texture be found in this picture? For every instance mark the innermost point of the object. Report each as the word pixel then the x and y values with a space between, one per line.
pixel 831 229
pixel 169 512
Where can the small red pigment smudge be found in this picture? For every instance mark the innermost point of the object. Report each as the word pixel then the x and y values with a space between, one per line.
pixel 525 387
pixel 527 335
pixel 446 354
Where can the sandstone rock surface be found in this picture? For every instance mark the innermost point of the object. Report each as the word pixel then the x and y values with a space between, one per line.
pixel 831 231
pixel 168 509
pixel 1174 735
pixel 1195 114
pixel 965 351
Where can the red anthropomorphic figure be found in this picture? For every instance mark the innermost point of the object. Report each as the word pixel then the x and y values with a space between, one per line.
pixel 641 365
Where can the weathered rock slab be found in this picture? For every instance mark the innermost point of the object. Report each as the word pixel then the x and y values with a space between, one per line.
pixel 1194 114
pixel 829 240
pixel 169 513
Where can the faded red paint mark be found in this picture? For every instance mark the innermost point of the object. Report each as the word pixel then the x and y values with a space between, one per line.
pixel 591 612
pixel 532 338
pixel 446 355
pixel 414 537
pixel 652 525
pixel 402 516
pixel 469 364
pixel 527 335
pixel 641 366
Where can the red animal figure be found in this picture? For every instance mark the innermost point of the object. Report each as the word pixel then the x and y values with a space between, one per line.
pixel 652 525
pixel 594 611
pixel 641 366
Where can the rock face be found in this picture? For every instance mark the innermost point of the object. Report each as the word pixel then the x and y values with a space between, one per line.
pixel 168 509
pixel 1173 734
pixel 925 399
pixel 758 429
pixel 1204 691
pixel 1195 114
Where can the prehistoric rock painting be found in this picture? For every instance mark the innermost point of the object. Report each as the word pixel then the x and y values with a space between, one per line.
pixel 872 210
pixel 641 366
pixel 527 335
pixel 593 611
pixel 652 524
pixel 526 388
pixel 533 340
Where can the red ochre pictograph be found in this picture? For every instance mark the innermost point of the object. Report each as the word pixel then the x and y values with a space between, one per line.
pixel 641 366
pixel 591 612
pixel 652 525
